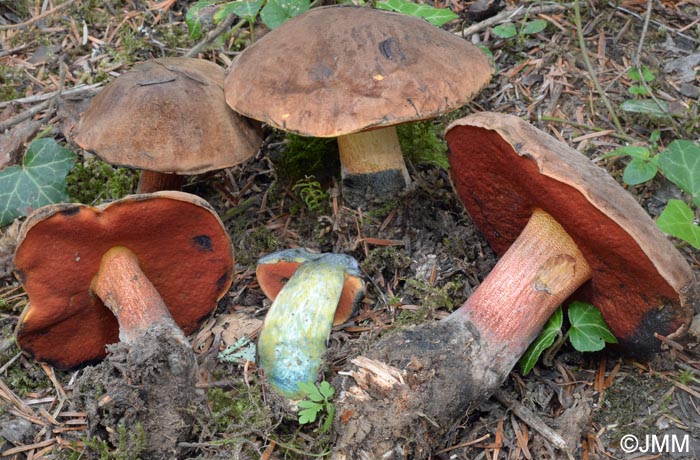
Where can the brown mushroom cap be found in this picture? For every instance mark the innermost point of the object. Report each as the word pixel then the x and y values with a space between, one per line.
pixel 503 168
pixel 275 269
pixel 337 70
pixel 167 115
pixel 182 248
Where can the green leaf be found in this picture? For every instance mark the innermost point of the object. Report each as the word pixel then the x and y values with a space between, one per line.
pixel 506 30
pixel 646 74
pixel 309 414
pixel 40 180
pixel 677 219
pixel 276 12
pixel 310 390
pixel 194 15
pixel 534 27
pixel 647 107
pixel 639 171
pixel 435 16
pixel 246 10
pixel 633 151
pixel 680 163
pixel 588 330
pixel 326 390
pixel 637 90
pixel 545 340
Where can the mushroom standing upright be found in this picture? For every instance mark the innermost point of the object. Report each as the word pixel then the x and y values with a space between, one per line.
pixel 311 293
pixel 564 229
pixel 168 118
pixel 354 73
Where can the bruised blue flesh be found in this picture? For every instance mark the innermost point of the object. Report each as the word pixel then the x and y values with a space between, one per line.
pixel 295 333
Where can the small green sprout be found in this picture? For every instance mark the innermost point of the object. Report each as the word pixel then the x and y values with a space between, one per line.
pixel 435 16
pixel 317 401
pixel 509 30
pixel 311 193
pixel 587 332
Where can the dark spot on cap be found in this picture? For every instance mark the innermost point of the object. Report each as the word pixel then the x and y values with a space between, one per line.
pixel 203 242
pixel 221 282
pixel 73 210
pixel 385 47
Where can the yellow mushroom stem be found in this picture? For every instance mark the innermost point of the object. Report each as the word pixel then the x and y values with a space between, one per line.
pixel 129 294
pixel 539 271
pixel 372 152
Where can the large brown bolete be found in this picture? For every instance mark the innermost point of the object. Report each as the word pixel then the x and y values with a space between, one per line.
pixel 354 73
pixel 98 275
pixel 167 117
pixel 564 228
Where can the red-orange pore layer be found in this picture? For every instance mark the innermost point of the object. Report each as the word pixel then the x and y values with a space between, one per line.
pixel 182 248
pixel 503 168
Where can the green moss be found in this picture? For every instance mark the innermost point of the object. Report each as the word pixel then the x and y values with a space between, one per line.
pixel 303 156
pixel 388 260
pixel 93 181
pixel 11 80
pixel 422 142
pixel 435 297
pixel 129 446
pixel 254 243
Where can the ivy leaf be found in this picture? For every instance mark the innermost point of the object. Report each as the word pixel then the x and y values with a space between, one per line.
pixel 40 180
pixel 246 10
pixel 646 106
pixel 545 340
pixel 435 16
pixel 194 17
pixel 633 151
pixel 677 219
pixel 506 30
pixel 276 12
pixel 639 171
pixel 534 27
pixel 588 330
pixel 680 163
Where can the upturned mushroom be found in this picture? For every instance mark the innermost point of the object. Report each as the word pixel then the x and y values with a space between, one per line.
pixel 354 73
pixel 95 276
pixel 167 117
pixel 564 228
pixel 311 293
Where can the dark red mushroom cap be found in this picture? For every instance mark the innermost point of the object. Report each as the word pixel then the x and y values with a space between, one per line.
pixel 182 248
pixel 275 269
pixel 503 168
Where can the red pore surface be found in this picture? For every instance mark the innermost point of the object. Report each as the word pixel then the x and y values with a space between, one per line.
pixel 639 282
pixel 182 248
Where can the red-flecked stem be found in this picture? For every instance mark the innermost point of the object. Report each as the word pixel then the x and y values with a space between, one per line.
pixel 538 272
pixel 129 294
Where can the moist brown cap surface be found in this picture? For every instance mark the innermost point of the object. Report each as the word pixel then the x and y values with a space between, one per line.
pixel 182 248
pixel 168 115
pixel 340 69
pixel 503 168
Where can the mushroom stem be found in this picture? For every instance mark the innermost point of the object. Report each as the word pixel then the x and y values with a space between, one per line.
pixel 129 294
pixel 153 181
pixel 538 272
pixel 296 329
pixel 372 162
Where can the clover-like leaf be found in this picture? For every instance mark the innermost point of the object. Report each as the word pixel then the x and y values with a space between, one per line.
pixel 680 163
pixel 588 331
pixel 40 180
pixel 646 74
pixel 275 12
pixel 326 390
pixel 678 219
pixel 506 30
pixel 310 390
pixel 309 411
pixel 545 340
pixel 435 16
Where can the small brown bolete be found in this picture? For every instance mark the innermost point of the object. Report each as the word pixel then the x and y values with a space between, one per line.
pixel 564 229
pixel 355 73
pixel 167 117
pixel 98 275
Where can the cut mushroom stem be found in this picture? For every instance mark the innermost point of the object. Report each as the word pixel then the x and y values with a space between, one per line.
pixel 538 272
pixel 153 181
pixel 372 161
pixel 130 295
pixel 322 291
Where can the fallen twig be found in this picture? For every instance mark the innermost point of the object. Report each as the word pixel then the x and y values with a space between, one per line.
pixel 39 17
pixel 44 96
pixel 20 117
pixel 507 15
pixel 211 36
pixel 589 67
pixel 656 23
